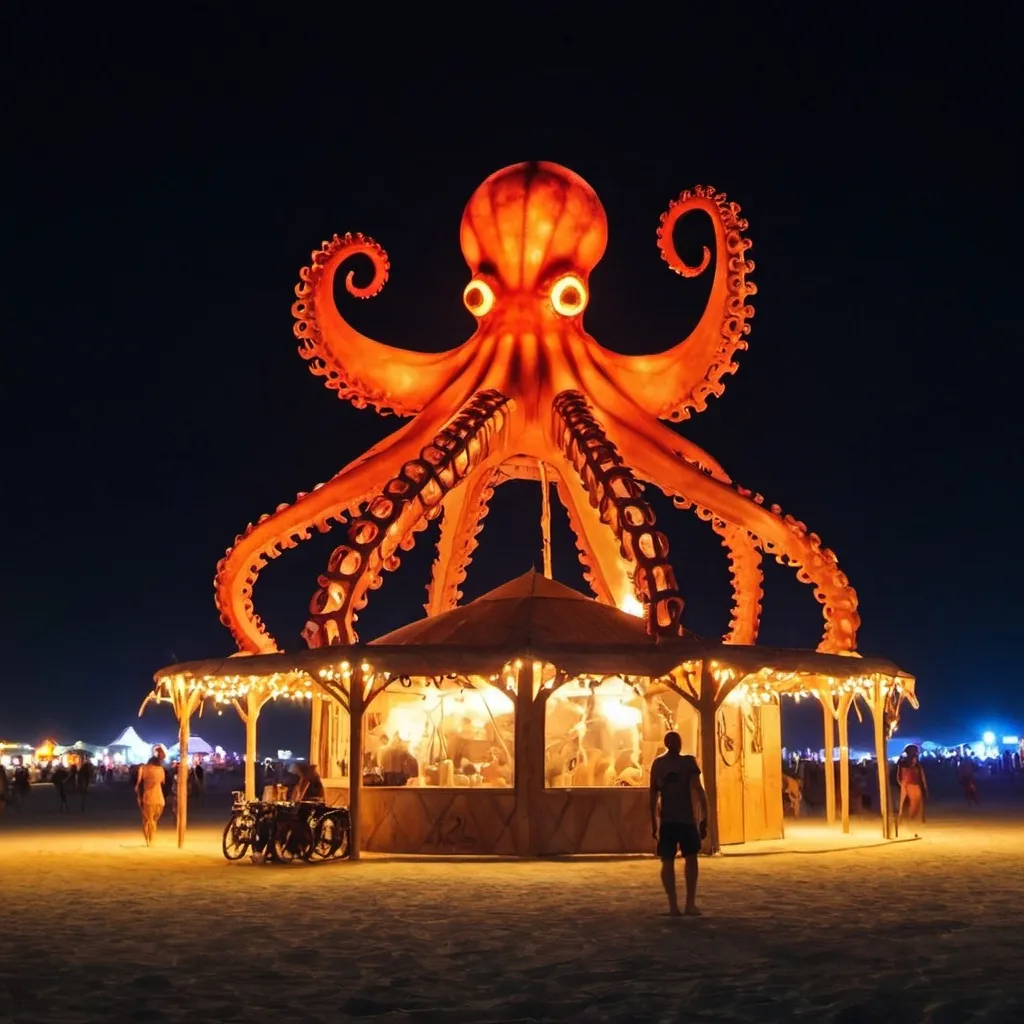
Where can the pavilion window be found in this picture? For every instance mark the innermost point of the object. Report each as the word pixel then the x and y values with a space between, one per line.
pixel 450 733
pixel 599 733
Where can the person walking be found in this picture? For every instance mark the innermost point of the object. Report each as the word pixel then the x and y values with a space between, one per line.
pixel 149 792
pixel 913 784
pixel 679 815
pixel 965 776
pixel 22 786
pixel 60 781
pixel 85 777
pixel 199 777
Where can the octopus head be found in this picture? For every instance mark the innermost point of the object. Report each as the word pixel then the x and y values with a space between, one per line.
pixel 531 234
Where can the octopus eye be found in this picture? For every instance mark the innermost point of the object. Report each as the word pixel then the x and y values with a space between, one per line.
pixel 479 298
pixel 569 295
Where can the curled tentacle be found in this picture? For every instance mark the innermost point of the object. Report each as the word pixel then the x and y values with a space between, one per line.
pixel 327 504
pixel 747 578
pixel 362 371
pixel 679 381
pixel 651 452
pixel 614 490
pixel 465 509
pixel 610 576
pixel 408 502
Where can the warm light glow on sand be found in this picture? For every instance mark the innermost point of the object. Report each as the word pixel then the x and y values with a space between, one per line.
pixel 962 960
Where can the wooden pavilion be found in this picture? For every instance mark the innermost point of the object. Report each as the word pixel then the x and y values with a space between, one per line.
pixel 524 723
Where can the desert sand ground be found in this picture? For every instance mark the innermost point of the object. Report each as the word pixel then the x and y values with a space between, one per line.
pixel 822 927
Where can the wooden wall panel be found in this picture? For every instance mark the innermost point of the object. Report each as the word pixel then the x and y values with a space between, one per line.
pixel 595 821
pixel 754 823
pixel 771 726
pixel 443 821
pixel 729 750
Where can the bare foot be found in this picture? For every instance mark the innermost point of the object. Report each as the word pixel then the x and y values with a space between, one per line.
pixel 692 912
pixel 674 911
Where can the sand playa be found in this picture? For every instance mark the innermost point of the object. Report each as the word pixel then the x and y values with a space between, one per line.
pixel 96 927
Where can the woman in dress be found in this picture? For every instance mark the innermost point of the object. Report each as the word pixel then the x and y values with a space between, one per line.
pixel 913 784
pixel 149 791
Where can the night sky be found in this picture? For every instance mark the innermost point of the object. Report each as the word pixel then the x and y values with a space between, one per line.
pixel 161 198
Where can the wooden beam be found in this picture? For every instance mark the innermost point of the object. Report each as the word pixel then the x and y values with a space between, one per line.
pixel 519 467
pixel 184 723
pixel 830 763
pixel 524 769
pixel 355 768
pixel 878 705
pixel 844 759
pixel 545 518
pixel 708 707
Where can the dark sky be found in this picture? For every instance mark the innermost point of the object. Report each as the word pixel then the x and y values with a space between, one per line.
pixel 163 192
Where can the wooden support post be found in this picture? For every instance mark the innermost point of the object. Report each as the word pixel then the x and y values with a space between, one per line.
pixel 878 703
pixel 830 759
pixel 708 706
pixel 251 717
pixel 844 759
pixel 355 768
pixel 545 517
pixel 527 771
pixel 316 717
pixel 184 723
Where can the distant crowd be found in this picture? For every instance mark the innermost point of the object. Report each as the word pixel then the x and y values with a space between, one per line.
pixel 804 780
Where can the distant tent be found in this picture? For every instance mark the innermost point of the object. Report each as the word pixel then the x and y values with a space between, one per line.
pixel 86 748
pixel 897 744
pixel 196 745
pixel 136 748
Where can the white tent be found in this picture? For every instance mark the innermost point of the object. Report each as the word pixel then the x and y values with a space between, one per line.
pixel 196 745
pixel 137 749
pixel 81 746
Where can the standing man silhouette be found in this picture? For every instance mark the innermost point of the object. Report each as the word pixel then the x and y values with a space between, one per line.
pixel 679 816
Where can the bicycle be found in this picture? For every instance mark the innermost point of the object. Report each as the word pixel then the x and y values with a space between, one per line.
pixel 332 833
pixel 246 826
pixel 293 831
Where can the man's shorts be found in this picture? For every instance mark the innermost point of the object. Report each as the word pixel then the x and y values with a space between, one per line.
pixel 675 835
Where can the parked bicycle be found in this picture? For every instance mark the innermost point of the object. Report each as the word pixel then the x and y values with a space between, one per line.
pixel 250 827
pixel 332 833
pixel 285 831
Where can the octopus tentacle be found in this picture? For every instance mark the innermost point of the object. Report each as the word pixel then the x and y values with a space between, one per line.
pixel 747 579
pixel 610 576
pixel 743 553
pixel 326 505
pixel 782 536
pixel 408 502
pixel 613 488
pixel 744 557
pixel 679 381
pixel 465 509
pixel 362 371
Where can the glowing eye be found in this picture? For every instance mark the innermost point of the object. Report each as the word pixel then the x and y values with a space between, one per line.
pixel 479 298
pixel 569 295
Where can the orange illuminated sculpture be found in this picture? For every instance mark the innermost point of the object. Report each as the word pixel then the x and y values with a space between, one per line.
pixel 532 395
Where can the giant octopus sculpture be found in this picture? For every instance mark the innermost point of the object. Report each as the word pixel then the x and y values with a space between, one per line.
pixel 532 393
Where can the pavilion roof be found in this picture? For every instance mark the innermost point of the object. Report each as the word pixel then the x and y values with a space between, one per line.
pixel 532 618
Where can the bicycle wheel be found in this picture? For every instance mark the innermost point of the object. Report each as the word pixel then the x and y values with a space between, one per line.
pixel 325 840
pixel 291 842
pixel 236 839
pixel 320 847
pixel 344 840
pixel 333 838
